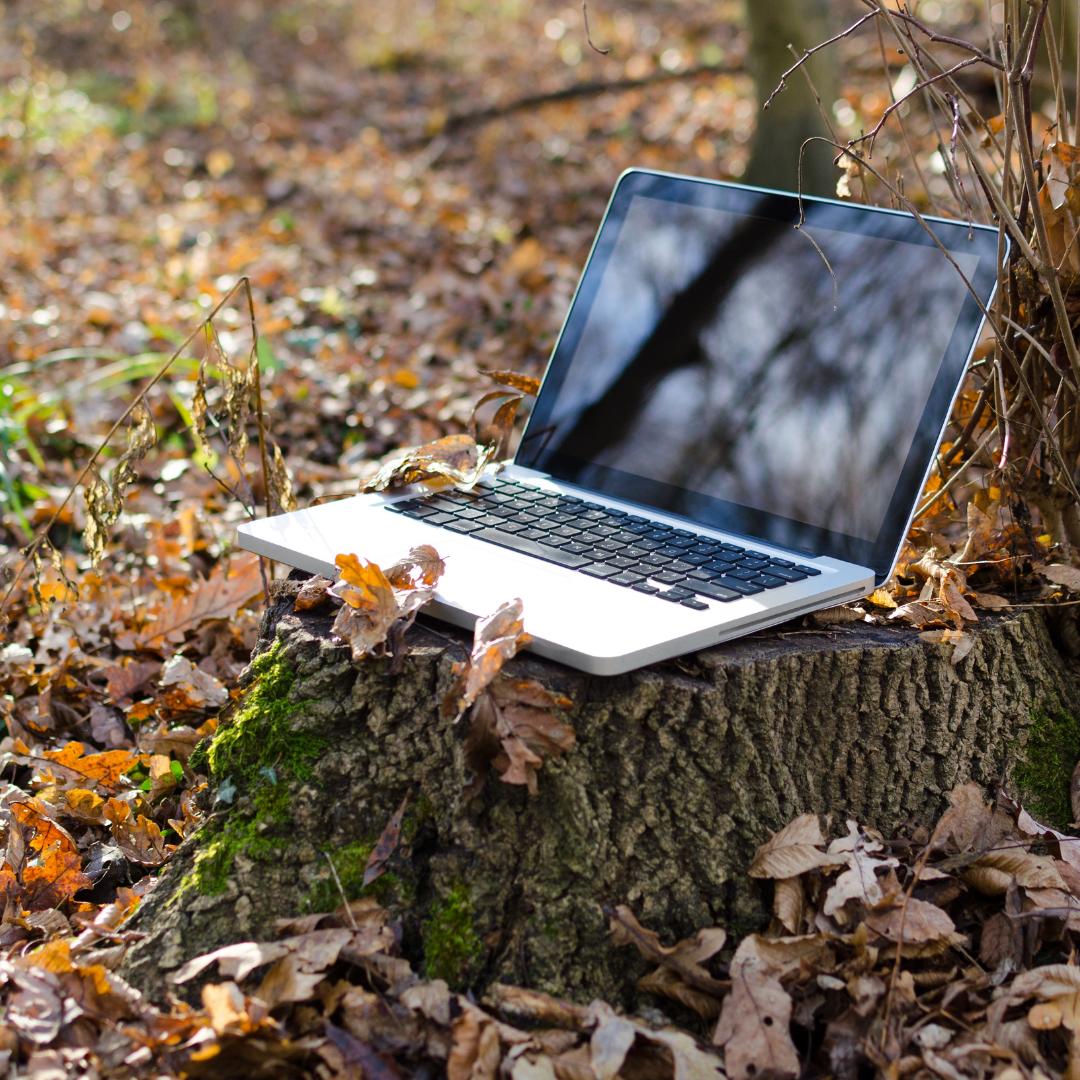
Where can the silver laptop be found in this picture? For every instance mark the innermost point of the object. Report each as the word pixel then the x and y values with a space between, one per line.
pixel 734 428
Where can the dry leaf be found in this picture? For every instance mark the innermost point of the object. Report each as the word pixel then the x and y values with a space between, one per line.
pixel 962 643
pixel 684 958
pixel 456 457
pixel 314 593
pixel 423 560
pixel 789 903
pixel 1060 574
pixel 281 495
pixel 792 851
pixel 218 597
pixel 103 772
pixel 191 687
pixel 387 844
pixel 754 1022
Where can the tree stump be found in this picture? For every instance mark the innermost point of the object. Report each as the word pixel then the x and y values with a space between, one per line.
pixel 679 772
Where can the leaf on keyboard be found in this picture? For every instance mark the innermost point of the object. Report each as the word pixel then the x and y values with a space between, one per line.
pixel 423 559
pixel 495 640
pixel 457 457
pixel 374 613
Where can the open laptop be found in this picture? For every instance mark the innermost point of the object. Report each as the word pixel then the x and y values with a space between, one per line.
pixel 735 427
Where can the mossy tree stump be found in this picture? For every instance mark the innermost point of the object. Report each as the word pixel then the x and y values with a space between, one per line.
pixel 678 772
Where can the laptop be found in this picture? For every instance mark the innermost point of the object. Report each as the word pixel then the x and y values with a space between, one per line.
pixel 735 427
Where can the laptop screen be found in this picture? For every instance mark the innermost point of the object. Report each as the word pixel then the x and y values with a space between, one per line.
pixel 786 384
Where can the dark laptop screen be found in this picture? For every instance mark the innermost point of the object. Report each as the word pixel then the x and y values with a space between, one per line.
pixel 788 384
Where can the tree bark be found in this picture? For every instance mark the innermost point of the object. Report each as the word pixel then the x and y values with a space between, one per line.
pixel 794 115
pixel 678 773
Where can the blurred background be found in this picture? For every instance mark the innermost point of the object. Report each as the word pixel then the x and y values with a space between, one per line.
pixel 411 187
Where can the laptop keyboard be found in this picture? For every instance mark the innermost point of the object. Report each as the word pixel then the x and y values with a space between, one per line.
pixel 673 564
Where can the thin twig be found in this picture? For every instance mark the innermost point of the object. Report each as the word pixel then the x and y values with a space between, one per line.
pixel 588 36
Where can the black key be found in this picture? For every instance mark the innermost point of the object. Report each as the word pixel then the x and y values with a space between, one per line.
pixel 575 547
pixel 719 567
pixel 637 527
pixel 511 526
pixel 421 512
pixel 508 486
pixel 500 496
pixel 714 591
pixel 464 526
pixel 753 564
pixel 669 552
pixel 683 532
pixel 681 542
pixel 745 587
pixel 769 581
pixel 592 506
pixel 679 567
pixel 658 534
pixel 571 500
pixel 532 520
pixel 501 510
pixel 656 559
pixel 528 547
pixel 743 575
pixel 532 534
pixel 445 504
pixel 531 495
pixel 600 570
pixel 599 514
pixel 645 587
pixel 566 532
pixel 626 578
pixel 553 541
pixel 603 530
pixel 609 545
pixel 637 520
pixel 561 519
pixel 701 575
pixel 635 552
pixel 439 519
pixel 676 595
pixel 489 521
pixel 697 605
pixel 694 560
pixel 706 549
pixel 620 563
pixel 648 545
pixel 666 577
pixel 782 562
pixel 397 508
pixel 519 504
pixel 810 571
pixel 731 549
pixel 786 574
pixel 617 513
pixel 470 513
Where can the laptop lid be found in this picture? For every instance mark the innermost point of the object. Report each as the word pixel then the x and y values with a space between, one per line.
pixel 784 384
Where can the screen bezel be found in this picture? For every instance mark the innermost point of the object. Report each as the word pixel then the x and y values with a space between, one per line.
pixel 722 515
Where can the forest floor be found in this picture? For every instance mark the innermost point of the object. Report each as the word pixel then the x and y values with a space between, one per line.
pixel 411 191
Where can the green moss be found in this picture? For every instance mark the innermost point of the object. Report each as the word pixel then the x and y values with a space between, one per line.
pixel 1052 750
pixel 350 862
pixel 259 737
pixel 451 945
pixel 260 837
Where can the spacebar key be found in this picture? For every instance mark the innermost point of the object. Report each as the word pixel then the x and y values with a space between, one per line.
pixel 531 547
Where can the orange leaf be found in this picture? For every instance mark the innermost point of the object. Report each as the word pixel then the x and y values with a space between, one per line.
pixel 94 770
pixel 50 884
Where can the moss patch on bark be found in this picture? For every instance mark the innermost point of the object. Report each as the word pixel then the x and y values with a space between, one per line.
pixel 451 944
pixel 1043 779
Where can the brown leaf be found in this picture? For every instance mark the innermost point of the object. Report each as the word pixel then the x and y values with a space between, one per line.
pixel 287 982
pixel 137 837
pixel 387 844
pixel 920 922
pixel 162 778
pixel 920 614
pixel 280 495
pixel 125 678
pixel 792 851
pixel 998 941
pixel 789 903
pixel 534 1007
pixel 1060 574
pixel 610 1042
pixel 495 640
pixel 101 772
pixel 962 643
pixel 456 457
pixel 665 983
pixel 525 383
pixel 218 597
pixel 423 559
pixel 684 958
pixel 754 1022
pixel 314 593
pixel 191 687
pixel 176 742
pixel 992 872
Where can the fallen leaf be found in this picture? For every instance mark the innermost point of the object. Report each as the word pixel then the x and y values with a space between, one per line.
pixel 962 643
pixel 755 1018
pixel 918 922
pixel 386 845
pixel 102 772
pixel 684 958
pixel 792 851
pixel 313 594
pixel 218 597
pixel 423 560
pixel 456 457
pixel 123 679
pixel 137 836
pixel 1061 574
pixel 192 688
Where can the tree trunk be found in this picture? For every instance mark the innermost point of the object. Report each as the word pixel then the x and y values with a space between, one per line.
pixel 794 115
pixel 678 773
